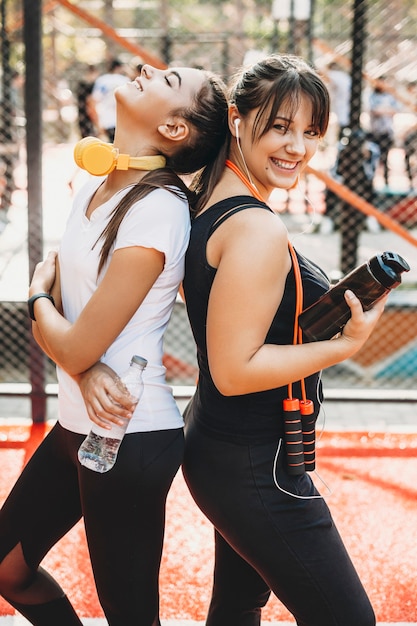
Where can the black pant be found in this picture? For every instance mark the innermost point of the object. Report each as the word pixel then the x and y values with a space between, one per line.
pixel 268 540
pixel 124 515
pixel 410 149
pixel 385 141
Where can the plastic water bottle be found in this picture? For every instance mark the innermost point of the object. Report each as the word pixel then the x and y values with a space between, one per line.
pixel 99 449
pixel 369 282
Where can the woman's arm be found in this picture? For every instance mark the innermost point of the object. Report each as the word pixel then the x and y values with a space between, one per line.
pixel 50 271
pixel 251 254
pixel 76 347
pixel 105 398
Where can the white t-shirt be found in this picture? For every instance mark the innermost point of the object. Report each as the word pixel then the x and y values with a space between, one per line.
pixel 160 220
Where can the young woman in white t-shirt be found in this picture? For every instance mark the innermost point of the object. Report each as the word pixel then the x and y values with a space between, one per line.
pixel 119 267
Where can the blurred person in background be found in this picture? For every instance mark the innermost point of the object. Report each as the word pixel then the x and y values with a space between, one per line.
pixel 357 161
pixel 103 97
pixel 382 108
pixel 87 115
pixel 410 137
pixel 339 84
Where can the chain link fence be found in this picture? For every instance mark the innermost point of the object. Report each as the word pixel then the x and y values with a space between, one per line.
pixel 357 199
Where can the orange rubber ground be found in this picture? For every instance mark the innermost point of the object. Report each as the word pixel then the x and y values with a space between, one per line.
pixel 374 502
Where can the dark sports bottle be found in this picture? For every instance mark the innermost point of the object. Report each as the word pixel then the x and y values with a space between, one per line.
pixel 369 282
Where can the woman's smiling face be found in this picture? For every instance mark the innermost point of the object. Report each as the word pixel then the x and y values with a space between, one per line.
pixel 276 158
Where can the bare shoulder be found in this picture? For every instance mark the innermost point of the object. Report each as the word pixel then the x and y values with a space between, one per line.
pixel 258 225
pixel 256 235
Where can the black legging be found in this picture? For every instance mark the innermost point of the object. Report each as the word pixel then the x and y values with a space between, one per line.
pixel 268 540
pixel 385 141
pixel 124 515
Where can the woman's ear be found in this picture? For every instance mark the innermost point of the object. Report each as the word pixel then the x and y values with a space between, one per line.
pixel 234 119
pixel 174 129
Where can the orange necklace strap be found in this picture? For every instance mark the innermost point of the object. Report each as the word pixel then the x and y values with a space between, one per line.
pixel 297 335
pixel 244 180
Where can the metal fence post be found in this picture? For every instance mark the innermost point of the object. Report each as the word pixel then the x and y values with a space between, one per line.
pixel 33 108
pixel 358 46
pixel 7 110
pixel 351 221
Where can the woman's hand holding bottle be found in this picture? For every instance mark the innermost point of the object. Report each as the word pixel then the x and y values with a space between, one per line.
pixel 106 398
pixel 361 323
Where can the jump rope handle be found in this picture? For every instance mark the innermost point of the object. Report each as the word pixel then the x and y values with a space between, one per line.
pixel 293 437
pixel 308 424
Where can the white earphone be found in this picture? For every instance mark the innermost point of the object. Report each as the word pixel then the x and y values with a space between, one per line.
pixel 239 147
pixel 236 123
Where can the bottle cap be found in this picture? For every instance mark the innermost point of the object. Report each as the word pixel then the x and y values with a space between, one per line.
pixel 139 360
pixel 387 268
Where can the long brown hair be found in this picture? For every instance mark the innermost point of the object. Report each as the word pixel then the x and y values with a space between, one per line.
pixel 156 179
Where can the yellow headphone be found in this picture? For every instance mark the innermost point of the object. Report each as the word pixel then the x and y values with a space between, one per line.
pixel 100 158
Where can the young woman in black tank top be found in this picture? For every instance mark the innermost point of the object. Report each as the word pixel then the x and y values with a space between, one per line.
pixel 273 530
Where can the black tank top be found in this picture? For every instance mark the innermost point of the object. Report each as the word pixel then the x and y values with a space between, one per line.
pixel 254 417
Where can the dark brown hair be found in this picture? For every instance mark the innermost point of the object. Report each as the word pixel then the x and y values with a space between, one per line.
pixel 276 81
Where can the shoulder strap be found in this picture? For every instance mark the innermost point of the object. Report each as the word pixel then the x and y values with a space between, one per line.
pixel 236 209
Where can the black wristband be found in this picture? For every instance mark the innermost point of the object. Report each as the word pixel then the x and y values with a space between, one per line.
pixel 32 300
